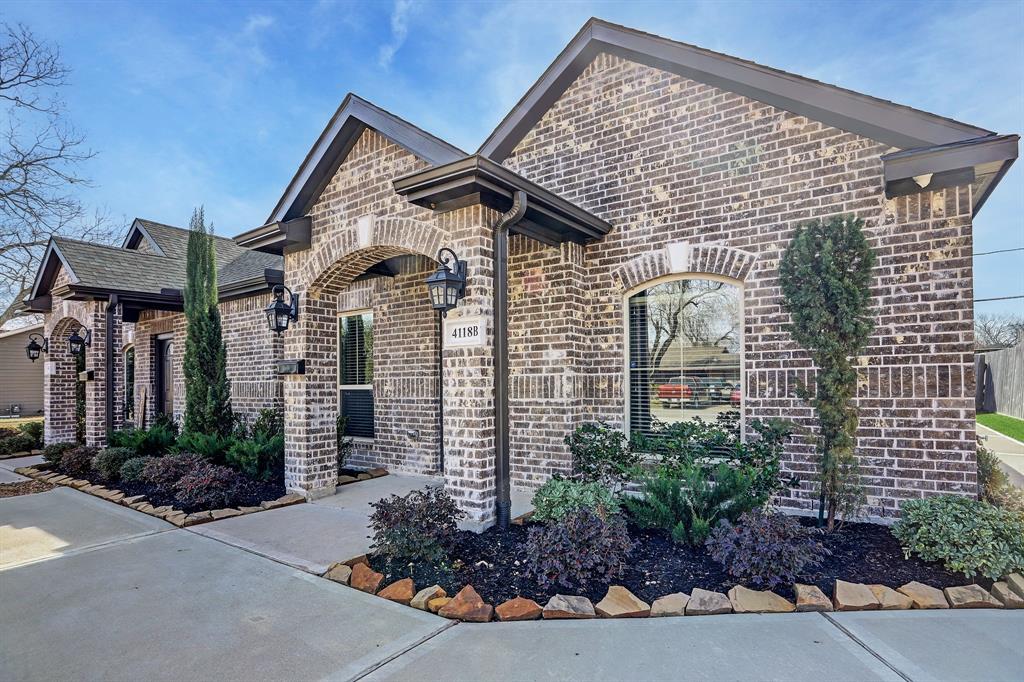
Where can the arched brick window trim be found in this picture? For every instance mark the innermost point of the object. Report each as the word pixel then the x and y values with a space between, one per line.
pixel 347 253
pixel 684 257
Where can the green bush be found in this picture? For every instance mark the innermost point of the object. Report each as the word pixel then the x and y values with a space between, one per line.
pixel 154 441
pixel 994 485
pixel 602 454
pixel 107 462
pixel 54 452
pixel 968 536
pixel 343 442
pixel 19 442
pixel 33 430
pixel 690 502
pixel 679 446
pixel 261 457
pixel 560 496
pixel 212 447
pixel 132 470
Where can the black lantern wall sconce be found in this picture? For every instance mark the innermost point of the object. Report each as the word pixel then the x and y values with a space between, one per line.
pixel 279 313
pixel 34 348
pixel 447 286
pixel 77 342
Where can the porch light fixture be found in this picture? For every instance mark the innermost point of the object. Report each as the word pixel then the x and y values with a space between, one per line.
pixel 77 343
pixel 279 313
pixel 445 285
pixel 34 348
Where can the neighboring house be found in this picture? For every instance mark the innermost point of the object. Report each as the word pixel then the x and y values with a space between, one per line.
pixel 21 381
pixel 637 173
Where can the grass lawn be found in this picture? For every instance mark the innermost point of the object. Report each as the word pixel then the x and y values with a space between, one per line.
pixel 1008 426
pixel 16 422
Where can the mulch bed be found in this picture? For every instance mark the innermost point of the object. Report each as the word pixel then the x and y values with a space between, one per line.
pixel 492 563
pixel 23 488
pixel 257 491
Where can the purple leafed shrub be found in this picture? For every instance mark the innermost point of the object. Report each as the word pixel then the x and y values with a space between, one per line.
pixel 77 461
pixel 210 486
pixel 765 549
pixel 418 526
pixel 580 549
pixel 164 472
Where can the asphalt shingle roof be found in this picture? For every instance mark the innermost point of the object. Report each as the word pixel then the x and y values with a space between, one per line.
pixel 111 267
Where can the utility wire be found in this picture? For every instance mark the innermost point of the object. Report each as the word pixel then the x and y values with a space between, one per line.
pixel 989 253
pixel 997 298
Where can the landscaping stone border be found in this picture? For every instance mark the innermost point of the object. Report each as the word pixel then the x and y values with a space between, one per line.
pixel 41 472
pixel 23 453
pixel 619 602
pixel 376 472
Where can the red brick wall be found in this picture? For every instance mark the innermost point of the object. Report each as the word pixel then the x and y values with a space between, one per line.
pixel 666 160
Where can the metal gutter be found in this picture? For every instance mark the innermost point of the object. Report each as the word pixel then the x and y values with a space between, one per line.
pixel 502 472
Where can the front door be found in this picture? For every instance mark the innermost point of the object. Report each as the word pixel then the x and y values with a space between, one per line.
pixel 165 377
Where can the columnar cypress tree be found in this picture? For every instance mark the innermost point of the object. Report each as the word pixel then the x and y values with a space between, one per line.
pixel 825 276
pixel 207 390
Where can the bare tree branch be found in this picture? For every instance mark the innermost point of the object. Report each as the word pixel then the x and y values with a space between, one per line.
pixel 40 159
pixel 998 329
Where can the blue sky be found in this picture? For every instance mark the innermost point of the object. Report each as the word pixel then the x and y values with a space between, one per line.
pixel 217 104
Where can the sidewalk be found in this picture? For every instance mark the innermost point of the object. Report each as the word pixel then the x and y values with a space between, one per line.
pixel 108 596
pixel 1009 451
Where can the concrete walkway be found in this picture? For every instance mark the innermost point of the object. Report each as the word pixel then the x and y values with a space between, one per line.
pixel 118 596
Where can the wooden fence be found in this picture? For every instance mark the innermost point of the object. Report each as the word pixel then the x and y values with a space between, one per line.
pixel 1001 381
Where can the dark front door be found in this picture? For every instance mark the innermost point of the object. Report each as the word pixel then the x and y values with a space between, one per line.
pixel 165 377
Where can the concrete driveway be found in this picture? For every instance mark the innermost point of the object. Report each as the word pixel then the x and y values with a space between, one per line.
pixel 114 595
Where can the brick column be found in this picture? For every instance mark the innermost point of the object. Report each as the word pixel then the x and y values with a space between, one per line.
pixel 95 388
pixel 310 399
pixel 469 373
pixel 59 390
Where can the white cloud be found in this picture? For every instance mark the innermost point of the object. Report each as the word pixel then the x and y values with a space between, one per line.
pixel 400 15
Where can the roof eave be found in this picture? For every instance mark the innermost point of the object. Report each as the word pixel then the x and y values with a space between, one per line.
pixel 474 179
pixel 348 122
pixel 893 124
pixel 958 163
pixel 279 237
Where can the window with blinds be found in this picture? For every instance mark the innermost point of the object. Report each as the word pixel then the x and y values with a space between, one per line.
pixel 355 373
pixel 684 353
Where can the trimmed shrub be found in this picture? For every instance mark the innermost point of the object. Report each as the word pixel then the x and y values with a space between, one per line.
pixel 560 496
pixel 33 430
pixel 164 472
pixel 210 486
pixel 54 452
pixel 260 457
pixel 211 447
pixel 107 462
pixel 153 441
pixel 765 549
pixel 18 442
pixel 601 454
pixel 968 536
pixel 77 461
pixel 994 485
pixel 578 551
pixel 420 526
pixel 132 469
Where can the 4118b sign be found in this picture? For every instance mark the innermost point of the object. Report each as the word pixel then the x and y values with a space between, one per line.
pixel 468 331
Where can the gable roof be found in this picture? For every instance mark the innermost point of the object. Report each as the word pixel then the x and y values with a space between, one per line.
pixel 98 268
pixel 353 116
pixel 893 124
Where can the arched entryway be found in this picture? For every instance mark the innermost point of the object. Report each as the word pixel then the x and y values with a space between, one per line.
pixel 64 396
pixel 369 337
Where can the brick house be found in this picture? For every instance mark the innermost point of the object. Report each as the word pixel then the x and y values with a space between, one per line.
pixel 621 231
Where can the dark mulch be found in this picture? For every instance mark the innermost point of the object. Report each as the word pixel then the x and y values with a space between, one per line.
pixel 255 492
pixel 492 563
pixel 23 488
